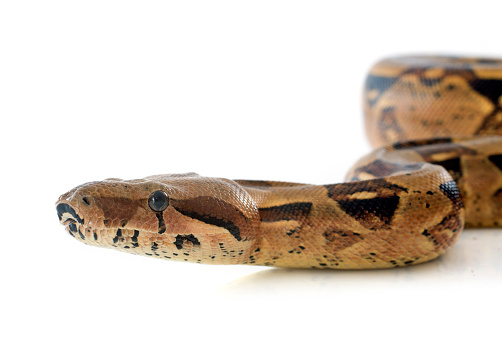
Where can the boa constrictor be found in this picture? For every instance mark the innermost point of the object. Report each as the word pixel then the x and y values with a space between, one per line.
pixel 437 119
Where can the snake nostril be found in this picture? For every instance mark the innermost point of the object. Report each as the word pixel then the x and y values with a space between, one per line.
pixel 85 199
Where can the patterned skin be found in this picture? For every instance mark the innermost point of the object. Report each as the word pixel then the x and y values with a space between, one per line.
pixel 401 205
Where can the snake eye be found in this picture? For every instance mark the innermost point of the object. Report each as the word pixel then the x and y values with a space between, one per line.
pixel 158 200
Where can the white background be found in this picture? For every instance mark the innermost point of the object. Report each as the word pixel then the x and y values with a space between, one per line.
pixel 238 89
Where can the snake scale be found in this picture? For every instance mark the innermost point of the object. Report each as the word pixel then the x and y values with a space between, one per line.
pixel 438 167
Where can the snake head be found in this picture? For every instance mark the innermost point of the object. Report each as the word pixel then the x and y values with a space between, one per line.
pixel 181 217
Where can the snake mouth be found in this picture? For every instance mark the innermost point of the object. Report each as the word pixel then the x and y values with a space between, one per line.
pixel 65 211
pixel 69 218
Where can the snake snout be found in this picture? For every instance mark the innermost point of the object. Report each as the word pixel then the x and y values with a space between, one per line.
pixel 67 214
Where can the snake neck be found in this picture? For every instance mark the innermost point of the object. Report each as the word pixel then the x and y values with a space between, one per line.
pixel 288 215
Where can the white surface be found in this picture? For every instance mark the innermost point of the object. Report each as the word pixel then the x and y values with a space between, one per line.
pixel 255 90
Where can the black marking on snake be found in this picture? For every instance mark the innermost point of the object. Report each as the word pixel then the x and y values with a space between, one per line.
pixel 496 160
pixel 428 82
pixel 211 220
pixel 154 246
pixel 134 238
pixel 162 224
pixel 292 231
pixel 118 236
pixel 285 212
pixel 181 239
pixel 72 227
pixel 388 123
pixel 451 165
pixel 498 194
pixel 379 83
pixel 420 143
pixel 450 190
pixel 337 191
pixel 490 88
pixel 381 207
pixel 63 208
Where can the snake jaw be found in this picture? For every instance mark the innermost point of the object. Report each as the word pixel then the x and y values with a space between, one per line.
pixel 68 221
pixel 69 218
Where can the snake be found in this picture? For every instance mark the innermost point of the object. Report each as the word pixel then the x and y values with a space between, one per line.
pixel 435 124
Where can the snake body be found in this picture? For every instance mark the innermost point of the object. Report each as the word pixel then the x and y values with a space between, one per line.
pixel 439 167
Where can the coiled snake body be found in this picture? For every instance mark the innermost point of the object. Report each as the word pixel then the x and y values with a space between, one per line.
pixel 437 119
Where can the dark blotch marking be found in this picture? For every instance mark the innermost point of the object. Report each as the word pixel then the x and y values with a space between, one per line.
pixel 388 123
pixel 496 160
pixel 181 239
pixel 162 224
pixel 65 208
pixel 286 212
pixel 430 148
pixel 211 220
pixel 119 235
pixel 419 143
pixel 430 81
pixel 341 191
pixel 490 88
pixel 381 207
pixel 450 190
pixel 379 83
pixel 134 238
pixel 214 212
pixel 451 165
pixel 73 227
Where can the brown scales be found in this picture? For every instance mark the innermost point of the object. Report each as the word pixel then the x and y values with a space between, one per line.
pixel 396 209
